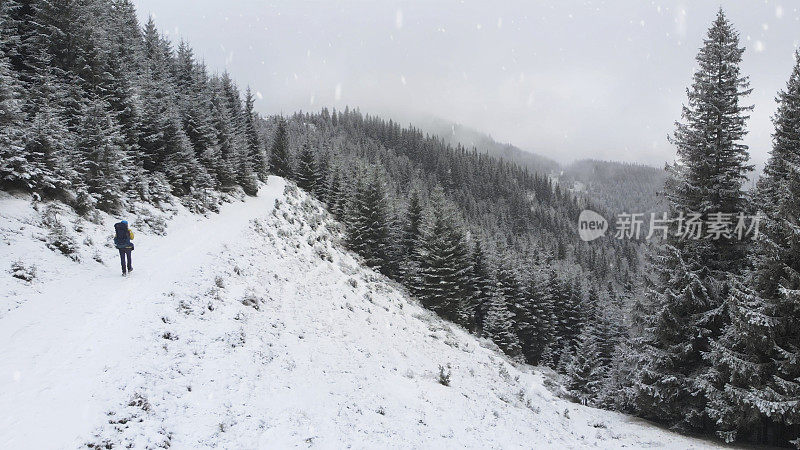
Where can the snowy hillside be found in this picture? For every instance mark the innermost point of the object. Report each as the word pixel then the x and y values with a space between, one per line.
pixel 252 329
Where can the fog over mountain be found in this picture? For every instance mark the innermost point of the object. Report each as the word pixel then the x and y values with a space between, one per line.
pixel 568 80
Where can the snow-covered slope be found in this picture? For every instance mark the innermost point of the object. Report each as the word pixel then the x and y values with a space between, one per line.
pixel 253 329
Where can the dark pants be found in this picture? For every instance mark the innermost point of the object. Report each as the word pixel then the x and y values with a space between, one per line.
pixel 125 253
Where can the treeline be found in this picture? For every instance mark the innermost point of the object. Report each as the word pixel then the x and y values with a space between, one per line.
pixel 98 112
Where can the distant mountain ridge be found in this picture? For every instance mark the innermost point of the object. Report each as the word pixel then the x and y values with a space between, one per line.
pixel 616 186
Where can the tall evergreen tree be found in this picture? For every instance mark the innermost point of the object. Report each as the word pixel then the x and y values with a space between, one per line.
pixel 104 164
pixel 369 225
pixel 481 282
pixel 279 160
pixel 443 280
pixel 308 176
pixel 499 325
pixel 689 291
pixel 14 169
pixel 255 149
pixel 585 371
pixel 756 358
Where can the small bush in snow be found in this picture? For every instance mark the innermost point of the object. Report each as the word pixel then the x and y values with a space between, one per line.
pixel 139 401
pixel 170 336
pixel 219 282
pixel 251 299
pixel 59 238
pixel 444 376
pixel 23 272
pixel 147 220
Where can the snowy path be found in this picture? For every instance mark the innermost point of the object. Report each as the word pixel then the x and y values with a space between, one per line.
pixel 57 347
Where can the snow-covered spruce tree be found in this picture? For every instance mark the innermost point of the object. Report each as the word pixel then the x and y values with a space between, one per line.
pixel 585 371
pixel 307 174
pixel 335 194
pixel 279 160
pixel 368 224
pixel 410 237
pixel 760 348
pixel 14 169
pixel 569 320
pixel 690 285
pixel 616 390
pixel 442 283
pixel 412 226
pixel 481 282
pixel 255 149
pixel 525 308
pixel 499 326
pixel 196 110
pixel 541 292
pixel 49 147
pixel 320 190
pixel 221 119
pixel 508 285
pixel 104 167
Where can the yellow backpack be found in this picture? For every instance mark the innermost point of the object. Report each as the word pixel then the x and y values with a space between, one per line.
pixel 131 232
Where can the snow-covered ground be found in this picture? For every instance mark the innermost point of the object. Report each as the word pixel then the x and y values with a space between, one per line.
pixel 253 329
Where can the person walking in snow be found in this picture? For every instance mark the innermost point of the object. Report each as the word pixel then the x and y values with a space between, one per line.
pixel 122 240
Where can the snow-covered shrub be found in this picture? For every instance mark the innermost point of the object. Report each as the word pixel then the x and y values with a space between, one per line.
pixel 23 272
pixel 84 202
pixel 147 219
pixel 58 237
pixel 219 282
pixel 252 300
pixel 444 376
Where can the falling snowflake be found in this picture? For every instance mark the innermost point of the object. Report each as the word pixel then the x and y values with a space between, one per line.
pixel 759 46
pixel 258 94
pixel 337 93
pixel 398 19
pixel 403 79
pixel 779 11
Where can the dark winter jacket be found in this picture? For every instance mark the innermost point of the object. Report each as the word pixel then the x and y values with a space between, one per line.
pixel 123 236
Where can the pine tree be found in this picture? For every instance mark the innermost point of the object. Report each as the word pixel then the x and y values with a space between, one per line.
pixel 443 281
pixel 308 177
pixel 584 370
pixel 103 171
pixel 47 149
pixel 690 287
pixel 279 161
pixel 255 149
pixel 499 325
pixel 368 232
pixel 14 169
pixel 757 354
pixel 412 229
pixel 481 282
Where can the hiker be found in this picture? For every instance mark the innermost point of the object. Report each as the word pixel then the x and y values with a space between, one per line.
pixel 122 240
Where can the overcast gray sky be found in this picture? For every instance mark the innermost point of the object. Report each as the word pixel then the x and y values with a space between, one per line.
pixel 566 79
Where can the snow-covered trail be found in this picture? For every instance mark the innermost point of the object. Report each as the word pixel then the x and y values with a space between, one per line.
pixel 57 347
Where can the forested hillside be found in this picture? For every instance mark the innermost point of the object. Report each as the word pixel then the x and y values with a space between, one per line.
pixel 103 114
pixel 619 187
